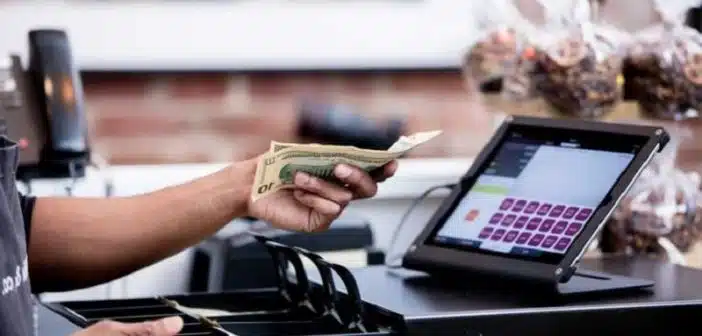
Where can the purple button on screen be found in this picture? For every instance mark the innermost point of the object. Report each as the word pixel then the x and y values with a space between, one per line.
pixel 495 218
pixel 533 223
pixel 523 238
pixel 511 236
pixel 562 244
pixel 506 204
pixel 508 220
pixel 547 225
pixel 519 205
pixel 498 234
pixel 531 207
pixel 573 229
pixel 544 209
pixel 570 212
pixel 559 227
pixel 536 240
pixel 485 233
pixel 557 211
pixel 549 241
pixel 521 221
pixel 583 214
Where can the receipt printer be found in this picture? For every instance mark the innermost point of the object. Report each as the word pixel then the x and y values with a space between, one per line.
pixel 235 261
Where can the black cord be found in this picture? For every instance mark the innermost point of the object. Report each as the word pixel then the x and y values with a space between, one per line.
pixel 390 261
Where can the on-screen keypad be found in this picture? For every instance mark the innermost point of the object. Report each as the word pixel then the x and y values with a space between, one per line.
pixel 536 224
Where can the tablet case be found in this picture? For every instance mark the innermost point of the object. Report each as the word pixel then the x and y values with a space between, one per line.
pixel 554 279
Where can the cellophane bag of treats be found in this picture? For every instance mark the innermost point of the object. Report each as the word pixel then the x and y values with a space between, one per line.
pixel 517 83
pixel 578 74
pixel 627 15
pixel 501 24
pixel 663 68
pixel 663 202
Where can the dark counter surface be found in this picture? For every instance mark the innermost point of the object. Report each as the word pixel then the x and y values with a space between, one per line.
pixel 414 294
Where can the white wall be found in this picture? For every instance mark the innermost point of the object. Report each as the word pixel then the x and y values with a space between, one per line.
pixel 249 34
pixel 384 212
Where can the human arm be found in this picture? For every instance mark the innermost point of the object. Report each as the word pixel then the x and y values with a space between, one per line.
pixel 79 242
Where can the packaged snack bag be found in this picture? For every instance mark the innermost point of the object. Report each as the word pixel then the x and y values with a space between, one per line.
pixel 663 203
pixel 487 57
pixel 627 15
pixel 518 84
pixel 663 67
pixel 578 74
pixel 504 24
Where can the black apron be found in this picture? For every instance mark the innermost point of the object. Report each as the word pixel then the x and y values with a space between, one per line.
pixel 17 314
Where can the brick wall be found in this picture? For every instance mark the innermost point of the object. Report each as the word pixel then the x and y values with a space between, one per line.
pixel 138 118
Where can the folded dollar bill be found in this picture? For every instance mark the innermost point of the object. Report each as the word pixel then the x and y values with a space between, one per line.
pixel 276 169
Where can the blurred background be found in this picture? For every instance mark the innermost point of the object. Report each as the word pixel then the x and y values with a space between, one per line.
pixel 212 81
pixel 174 90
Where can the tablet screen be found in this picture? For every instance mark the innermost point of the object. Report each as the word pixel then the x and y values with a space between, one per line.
pixel 534 196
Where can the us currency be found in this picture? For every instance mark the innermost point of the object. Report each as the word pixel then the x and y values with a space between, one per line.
pixel 276 169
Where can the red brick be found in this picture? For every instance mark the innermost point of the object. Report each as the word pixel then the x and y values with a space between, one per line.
pixel 156 158
pixel 194 86
pixel 263 126
pixel 140 125
pixel 281 107
pixel 152 150
pixel 97 85
pixel 117 106
pixel 198 127
pixel 364 83
pixel 289 84
pixel 428 82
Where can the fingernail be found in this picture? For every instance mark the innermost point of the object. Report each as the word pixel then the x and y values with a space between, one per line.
pixel 173 324
pixel 342 171
pixel 302 178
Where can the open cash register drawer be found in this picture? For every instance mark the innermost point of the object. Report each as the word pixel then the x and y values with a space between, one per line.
pixel 296 307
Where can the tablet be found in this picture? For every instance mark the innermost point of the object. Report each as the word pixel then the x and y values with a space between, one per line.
pixel 536 196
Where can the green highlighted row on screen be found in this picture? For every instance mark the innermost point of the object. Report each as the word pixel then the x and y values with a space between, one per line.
pixel 490 189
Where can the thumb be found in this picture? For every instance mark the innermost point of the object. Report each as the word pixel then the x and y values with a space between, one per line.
pixel 169 326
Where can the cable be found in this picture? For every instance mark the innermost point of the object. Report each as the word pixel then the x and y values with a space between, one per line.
pixel 391 261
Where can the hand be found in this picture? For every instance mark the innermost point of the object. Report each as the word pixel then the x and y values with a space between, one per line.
pixel 314 203
pixel 170 326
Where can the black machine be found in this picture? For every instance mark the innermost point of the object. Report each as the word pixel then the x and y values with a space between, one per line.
pixel 47 113
pixel 469 273
pixel 219 260
pixel 336 124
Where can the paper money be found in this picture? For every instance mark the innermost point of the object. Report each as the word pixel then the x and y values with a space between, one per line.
pixel 276 169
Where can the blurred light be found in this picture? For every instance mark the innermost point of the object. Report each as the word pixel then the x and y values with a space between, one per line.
pixel 23 143
pixel 48 87
pixel 67 92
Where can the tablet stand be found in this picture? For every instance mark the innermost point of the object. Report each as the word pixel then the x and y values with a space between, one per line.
pixel 583 283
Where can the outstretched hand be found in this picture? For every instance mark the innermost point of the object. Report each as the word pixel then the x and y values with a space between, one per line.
pixel 170 326
pixel 314 203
